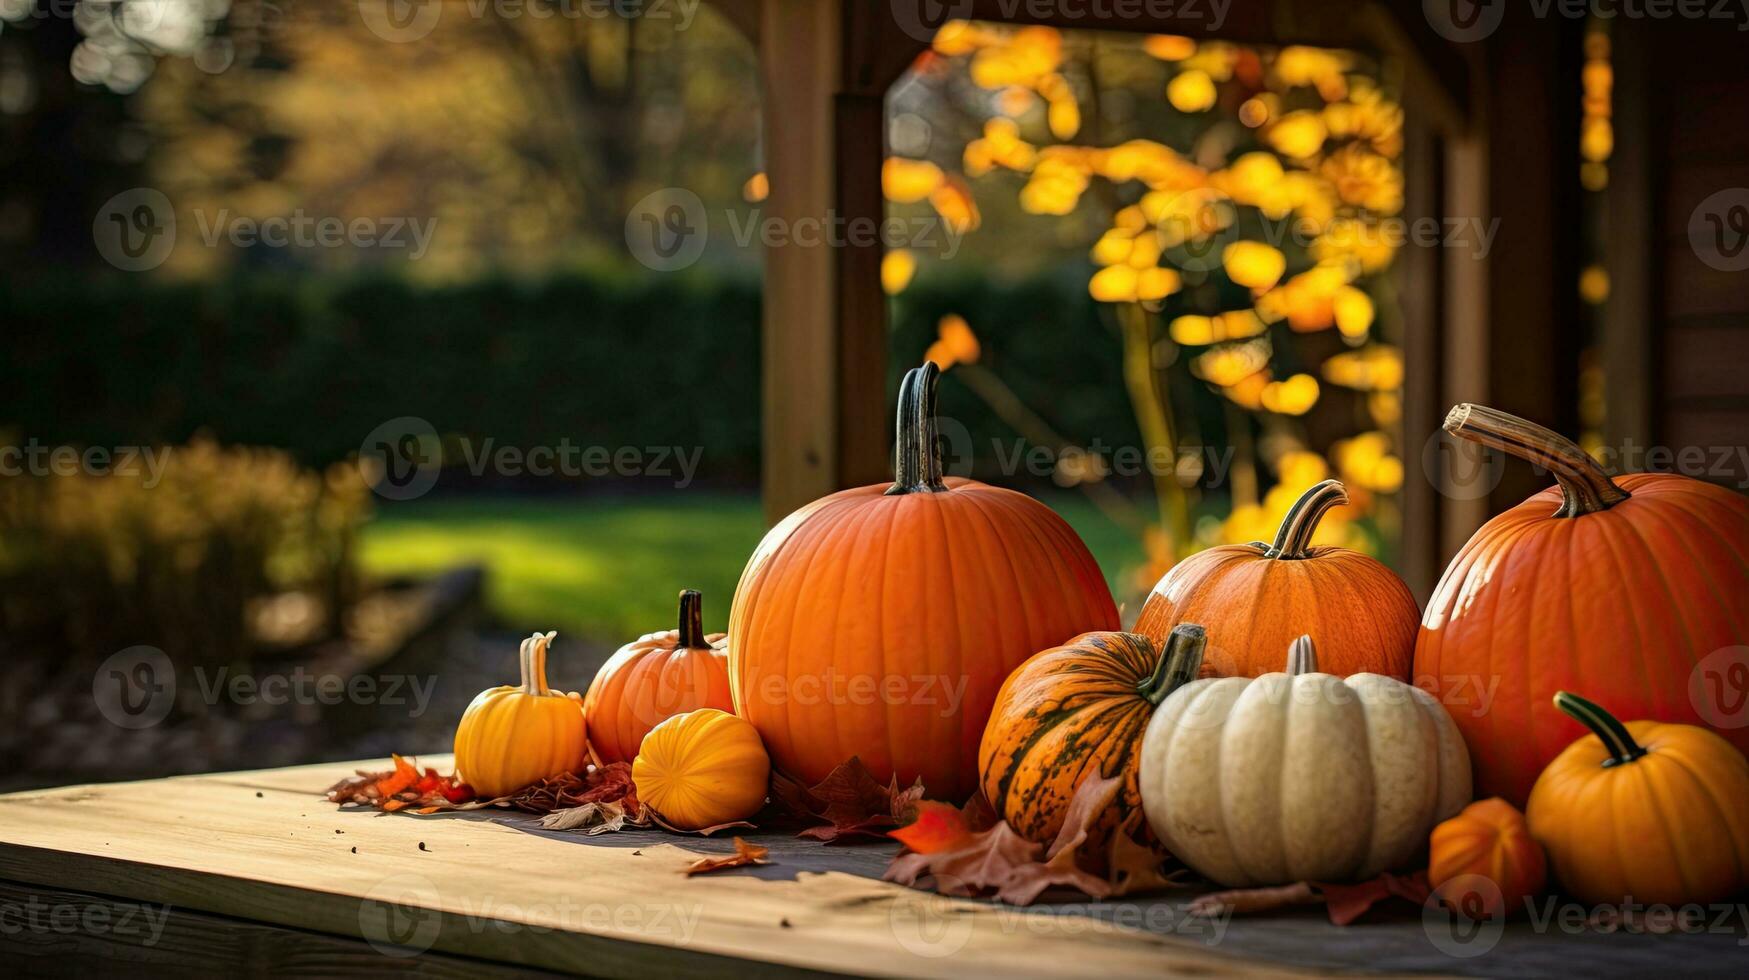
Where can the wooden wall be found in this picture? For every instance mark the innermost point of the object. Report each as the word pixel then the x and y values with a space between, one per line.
pixel 1683 92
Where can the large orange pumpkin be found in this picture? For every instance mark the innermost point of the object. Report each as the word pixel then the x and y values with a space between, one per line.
pixel 1077 711
pixel 1622 587
pixel 879 622
pixel 654 678
pixel 1257 598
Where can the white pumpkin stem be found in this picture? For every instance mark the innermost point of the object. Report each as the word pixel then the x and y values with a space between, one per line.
pixel 533 658
pixel 1585 487
pixel 1302 656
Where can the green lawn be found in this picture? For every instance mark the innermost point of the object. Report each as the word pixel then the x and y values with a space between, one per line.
pixel 611 567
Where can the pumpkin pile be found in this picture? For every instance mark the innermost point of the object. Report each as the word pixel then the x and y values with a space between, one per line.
pixel 1258 726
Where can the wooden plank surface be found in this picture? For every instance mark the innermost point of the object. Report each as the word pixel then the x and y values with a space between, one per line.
pixel 264 847
pixel 287 882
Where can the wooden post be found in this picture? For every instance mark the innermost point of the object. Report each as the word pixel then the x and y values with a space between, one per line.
pixel 799 64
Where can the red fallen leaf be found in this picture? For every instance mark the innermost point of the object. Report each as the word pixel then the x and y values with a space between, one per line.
pixel 978 814
pixel 458 793
pixel 1349 902
pixel 937 827
pixel 745 854
pixel 849 803
pixel 1015 869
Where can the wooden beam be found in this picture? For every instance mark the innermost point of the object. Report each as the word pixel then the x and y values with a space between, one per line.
pixel 799 65
pixel 865 428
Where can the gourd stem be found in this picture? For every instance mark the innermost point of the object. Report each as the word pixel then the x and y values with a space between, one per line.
pixel 1295 535
pixel 533 656
pixel 1585 487
pixel 916 467
pixel 1614 735
pixel 691 629
pixel 1302 656
pixel 1179 662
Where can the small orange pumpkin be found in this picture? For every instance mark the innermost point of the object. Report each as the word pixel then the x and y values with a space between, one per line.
pixel 879 622
pixel 1483 863
pixel 1645 812
pixel 701 769
pixel 511 737
pixel 1257 599
pixel 655 677
pixel 1077 711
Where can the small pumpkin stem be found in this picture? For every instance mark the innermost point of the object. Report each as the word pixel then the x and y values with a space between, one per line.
pixel 533 657
pixel 1614 735
pixel 1302 656
pixel 917 468
pixel 1586 488
pixel 1179 662
pixel 691 628
pixel 1294 538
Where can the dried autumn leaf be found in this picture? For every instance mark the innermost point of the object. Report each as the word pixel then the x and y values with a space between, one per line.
pixel 986 863
pixel 591 818
pixel 745 854
pixel 1136 867
pixel 937 827
pixel 847 804
pixel 1239 901
pixel 1349 902
pixel 1344 903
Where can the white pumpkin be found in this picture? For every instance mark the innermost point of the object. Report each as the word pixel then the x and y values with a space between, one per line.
pixel 1300 776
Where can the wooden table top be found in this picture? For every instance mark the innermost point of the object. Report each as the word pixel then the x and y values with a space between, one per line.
pixel 264 848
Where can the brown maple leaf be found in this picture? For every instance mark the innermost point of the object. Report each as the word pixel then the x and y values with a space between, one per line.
pixel 745 854
pixel 1137 866
pixel 849 804
pixel 998 860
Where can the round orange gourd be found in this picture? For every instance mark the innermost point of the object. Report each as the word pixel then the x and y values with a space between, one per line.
pixel 653 678
pixel 1484 863
pixel 879 622
pixel 1256 599
pixel 1077 711
pixel 1622 586
pixel 1645 812
pixel 511 737
pixel 702 768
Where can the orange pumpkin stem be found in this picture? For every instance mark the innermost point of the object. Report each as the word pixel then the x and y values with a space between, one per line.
pixel 1293 540
pixel 691 629
pixel 1614 735
pixel 533 659
pixel 1179 662
pixel 917 468
pixel 1586 488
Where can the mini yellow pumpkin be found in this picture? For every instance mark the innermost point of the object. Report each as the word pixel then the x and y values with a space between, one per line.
pixel 1645 812
pixel 702 768
pixel 513 736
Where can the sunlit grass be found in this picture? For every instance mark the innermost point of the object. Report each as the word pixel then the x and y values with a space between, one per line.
pixel 611 567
